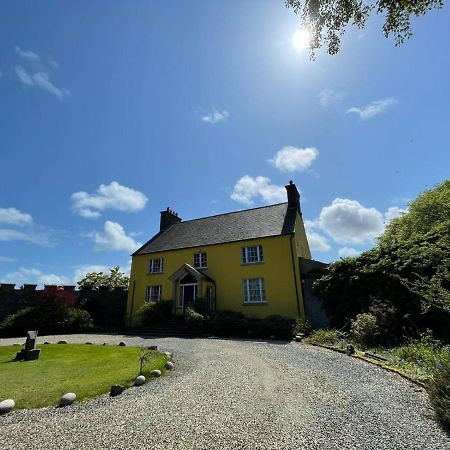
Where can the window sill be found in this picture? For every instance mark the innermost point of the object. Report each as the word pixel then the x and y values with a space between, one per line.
pixel 154 273
pixel 254 304
pixel 252 263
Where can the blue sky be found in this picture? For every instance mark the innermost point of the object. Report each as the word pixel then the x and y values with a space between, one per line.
pixel 112 111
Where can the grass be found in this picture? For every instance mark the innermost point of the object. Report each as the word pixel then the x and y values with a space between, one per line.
pixel 87 370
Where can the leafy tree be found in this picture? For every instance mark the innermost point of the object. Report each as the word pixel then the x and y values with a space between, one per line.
pixel 327 20
pixel 116 278
pixel 405 280
pixel 427 212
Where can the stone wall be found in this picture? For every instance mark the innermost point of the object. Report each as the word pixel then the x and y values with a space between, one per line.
pixel 106 307
pixel 310 270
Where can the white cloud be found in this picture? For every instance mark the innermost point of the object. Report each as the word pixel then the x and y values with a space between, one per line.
pixel 81 271
pixel 37 73
pixel 216 116
pixel 348 252
pixel 317 242
pixel 248 188
pixel 347 221
pixel 27 54
pixel 327 97
pixel 7 234
pixel 6 259
pixel 41 80
pixel 111 196
pixel 114 238
pixel 13 216
pixel 373 109
pixel 293 159
pixel 393 212
pixel 34 276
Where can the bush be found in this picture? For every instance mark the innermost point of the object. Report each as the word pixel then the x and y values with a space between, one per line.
pixel 67 320
pixel 229 323
pixel 439 392
pixel 364 330
pixel 76 319
pixel 152 312
pixel 302 326
pixel 200 305
pixel 194 322
pixel 325 337
pixel 425 353
pixel 272 326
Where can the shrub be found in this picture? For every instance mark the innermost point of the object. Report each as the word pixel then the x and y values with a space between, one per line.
pixel 75 319
pixel 194 321
pixel 325 337
pixel 67 320
pixel 439 392
pixel 229 323
pixel 302 326
pixel 152 312
pixel 200 305
pixel 425 352
pixel 364 330
pixel 272 326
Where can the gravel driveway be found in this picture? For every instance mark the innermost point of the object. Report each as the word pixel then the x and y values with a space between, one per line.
pixel 228 394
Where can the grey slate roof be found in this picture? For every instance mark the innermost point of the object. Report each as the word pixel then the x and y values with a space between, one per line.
pixel 234 226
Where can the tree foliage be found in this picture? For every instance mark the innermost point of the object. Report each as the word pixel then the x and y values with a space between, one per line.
pixel 405 280
pixel 327 20
pixel 114 279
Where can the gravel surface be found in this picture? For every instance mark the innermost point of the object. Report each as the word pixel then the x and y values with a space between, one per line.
pixel 226 394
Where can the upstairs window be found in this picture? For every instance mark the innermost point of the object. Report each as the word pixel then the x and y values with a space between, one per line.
pixel 156 265
pixel 200 260
pixel 251 255
pixel 254 291
pixel 153 293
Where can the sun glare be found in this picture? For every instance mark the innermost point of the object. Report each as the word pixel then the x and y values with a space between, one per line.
pixel 301 38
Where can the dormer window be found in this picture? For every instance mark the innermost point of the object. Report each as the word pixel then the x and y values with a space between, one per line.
pixel 156 265
pixel 252 255
pixel 200 260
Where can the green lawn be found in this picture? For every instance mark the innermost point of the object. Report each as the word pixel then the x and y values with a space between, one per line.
pixel 87 370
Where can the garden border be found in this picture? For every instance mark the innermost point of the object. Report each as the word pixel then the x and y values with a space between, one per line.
pixel 371 361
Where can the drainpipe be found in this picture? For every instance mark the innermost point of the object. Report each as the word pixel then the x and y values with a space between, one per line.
pixel 132 301
pixel 295 278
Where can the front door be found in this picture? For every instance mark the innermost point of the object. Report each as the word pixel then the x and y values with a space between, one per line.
pixel 188 293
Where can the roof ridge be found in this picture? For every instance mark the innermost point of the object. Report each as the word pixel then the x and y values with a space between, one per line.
pixel 231 212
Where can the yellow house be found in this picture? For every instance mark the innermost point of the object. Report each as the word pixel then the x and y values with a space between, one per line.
pixel 246 261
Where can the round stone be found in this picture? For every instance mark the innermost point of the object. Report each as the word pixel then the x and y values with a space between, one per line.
pixel 169 365
pixel 67 399
pixel 62 342
pixel 116 389
pixel 122 344
pixel 7 406
pixel 155 373
pixel 168 354
pixel 139 381
pixel 88 343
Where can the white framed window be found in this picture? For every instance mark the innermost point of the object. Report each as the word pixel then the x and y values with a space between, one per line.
pixel 200 260
pixel 156 265
pixel 254 291
pixel 252 255
pixel 153 293
pixel 209 297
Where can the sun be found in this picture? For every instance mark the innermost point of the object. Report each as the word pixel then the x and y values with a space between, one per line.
pixel 301 39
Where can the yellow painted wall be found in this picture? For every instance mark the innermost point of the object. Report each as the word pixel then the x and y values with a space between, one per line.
pixel 225 267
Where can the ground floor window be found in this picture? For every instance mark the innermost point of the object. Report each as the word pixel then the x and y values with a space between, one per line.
pixel 209 298
pixel 153 293
pixel 254 290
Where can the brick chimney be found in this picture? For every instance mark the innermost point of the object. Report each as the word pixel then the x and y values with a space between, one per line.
pixel 168 218
pixel 293 196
